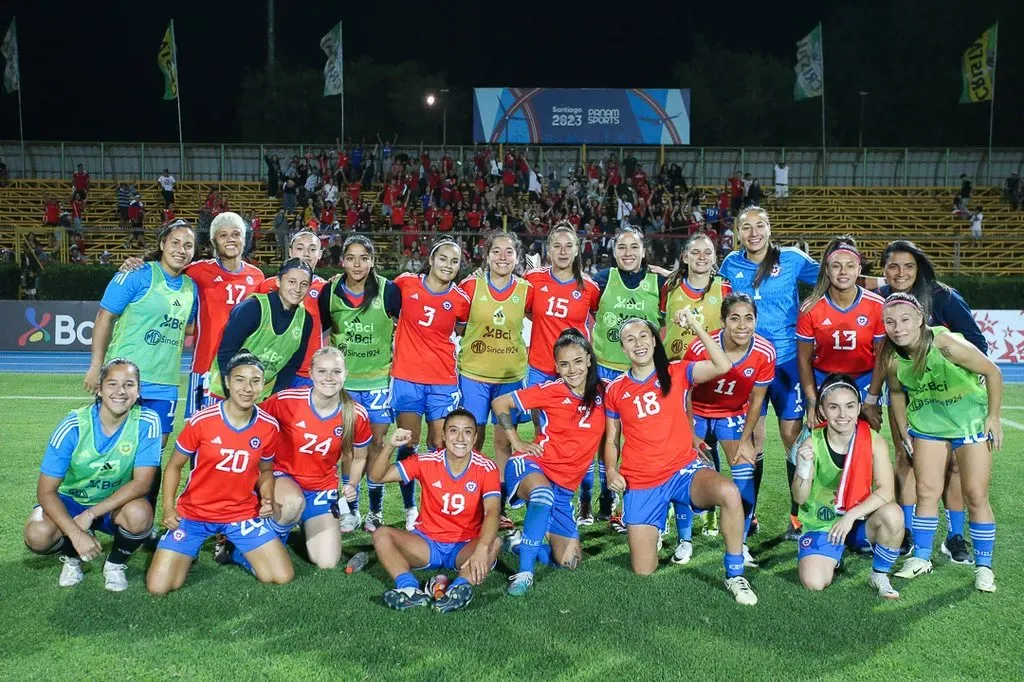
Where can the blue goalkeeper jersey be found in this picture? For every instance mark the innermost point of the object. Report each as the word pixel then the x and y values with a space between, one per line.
pixel 777 298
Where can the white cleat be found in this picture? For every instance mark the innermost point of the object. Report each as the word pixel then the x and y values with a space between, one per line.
pixel 512 541
pixel 739 588
pixel 914 567
pixel 374 520
pixel 114 578
pixel 71 574
pixel 683 553
pixel 880 583
pixel 984 579
pixel 748 558
pixel 350 522
pixel 411 515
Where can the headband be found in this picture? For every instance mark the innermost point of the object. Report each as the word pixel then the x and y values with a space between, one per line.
pixel 295 263
pixel 905 299
pixel 844 249
pixel 443 242
pixel 839 384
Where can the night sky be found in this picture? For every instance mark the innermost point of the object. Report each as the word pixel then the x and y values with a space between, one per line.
pixel 91 74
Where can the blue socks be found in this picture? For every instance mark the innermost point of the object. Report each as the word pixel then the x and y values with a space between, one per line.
pixel 376 493
pixel 684 520
pixel 602 475
pixel 587 486
pixel 743 477
pixel 280 530
pixel 535 526
pixel 908 516
pixel 354 506
pixel 924 535
pixel 239 558
pixel 955 519
pixel 884 558
pixel 406 580
pixel 983 537
pixel 733 565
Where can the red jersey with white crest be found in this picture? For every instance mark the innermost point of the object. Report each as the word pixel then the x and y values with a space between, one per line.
pixel 221 486
pixel 729 394
pixel 424 350
pixel 557 305
pixel 657 436
pixel 844 339
pixel 220 290
pixel 451 507
pixel 309 446
pixel 316 339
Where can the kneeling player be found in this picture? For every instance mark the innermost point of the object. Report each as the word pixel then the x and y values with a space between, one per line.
pixel 229 446
pixel 835 472
pixel 457 527
pixel 318 425
pixel 98 467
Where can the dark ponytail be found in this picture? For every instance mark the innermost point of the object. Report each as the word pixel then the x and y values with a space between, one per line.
pixel 371 287
pixel 661 361
pixel 593 386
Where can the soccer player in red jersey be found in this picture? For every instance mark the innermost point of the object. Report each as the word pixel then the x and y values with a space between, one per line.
pixel 305 246
pixel 458 524
pixel 319 426
pixel 840 326
pixel 726 409
pixel 424 383
pixel 571 411
pixel 647 406
pixel 230 489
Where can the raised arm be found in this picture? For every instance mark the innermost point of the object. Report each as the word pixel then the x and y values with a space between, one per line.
pixel 379 470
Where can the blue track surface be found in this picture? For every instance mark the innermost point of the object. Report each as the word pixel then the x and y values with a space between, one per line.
pixel 77 363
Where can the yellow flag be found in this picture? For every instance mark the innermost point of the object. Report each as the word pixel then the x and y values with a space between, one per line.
pixel 168 61
pixel 978 68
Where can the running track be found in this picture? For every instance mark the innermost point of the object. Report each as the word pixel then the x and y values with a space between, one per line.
pixel 77 363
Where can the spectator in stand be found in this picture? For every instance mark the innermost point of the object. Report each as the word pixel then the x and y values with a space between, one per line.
pixel 124 198
pixel 327 217
pixel 169 213
pixel 136 216
pixel 252 235
pixel 398 215
pixel 77 211
pixel 166 182
pixel 309 189
pixel 754 193
pixel 290 194
pixel 725 241
pixel 273 175
pixel 976 218
pixel 781 184
pixel 341 169
pixel 51 212
pixel 281 233
pixel 80 181
pixel 105 257
pixel 330 191
pixel 966 190
pixel 1011 188
pixel 735 185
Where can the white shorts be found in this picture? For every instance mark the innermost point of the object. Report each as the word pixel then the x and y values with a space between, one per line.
pixel 781 191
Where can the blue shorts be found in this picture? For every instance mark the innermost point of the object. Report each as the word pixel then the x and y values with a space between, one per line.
pixel 377 402
pixel 477 397
pixel 318 502
pixel 165 409
pixel 785 393
pixel 300 382
pixel 609 374
pixel 817 542
pixel 104 524
pixel 862 381
pixel 649 506
pixel 442 554
pixel 190 535
pixel 435 402
pixel 563 520
pixel 534 377
pixel 954 443
pixel 718 429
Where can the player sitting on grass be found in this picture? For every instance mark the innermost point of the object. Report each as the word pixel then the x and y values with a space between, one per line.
pixel 457 527
pixel 836 470
pixel 99 464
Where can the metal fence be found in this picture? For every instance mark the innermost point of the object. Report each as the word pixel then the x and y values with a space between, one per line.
pixel 848 167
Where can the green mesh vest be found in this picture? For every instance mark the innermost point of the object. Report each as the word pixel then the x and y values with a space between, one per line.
pixel 93 476
pixel 365 337
pixel 818 512
pixel 619 303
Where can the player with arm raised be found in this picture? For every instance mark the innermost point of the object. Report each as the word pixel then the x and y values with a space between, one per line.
pixel 457 528
pixel 571 415
pixel 424 383
pixel 98 467
pixel 659 464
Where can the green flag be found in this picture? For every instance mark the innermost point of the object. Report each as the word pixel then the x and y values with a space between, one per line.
pixel 810 69
pixel 978 68
pixel 9 49
pixel 168 61
pixel 334 79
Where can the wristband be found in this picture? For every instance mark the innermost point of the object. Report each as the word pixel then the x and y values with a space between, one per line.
pixel 871 399
pixel 803 468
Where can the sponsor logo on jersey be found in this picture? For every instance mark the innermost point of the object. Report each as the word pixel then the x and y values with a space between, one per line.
pixel 806 541
pixel 296 333
pixel 515 298
pixel 254 442
pixel 125 448
pixel 415 297
pixel 313 293
pixel 436 484
pixel 748 372
pixel 177 303
pixel 217 279
pixel 739 275
pixel 862 320
pixel 825 514
pixel 544 288
pixel 470 486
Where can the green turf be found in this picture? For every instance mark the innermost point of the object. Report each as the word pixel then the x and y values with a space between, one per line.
pixel 597 623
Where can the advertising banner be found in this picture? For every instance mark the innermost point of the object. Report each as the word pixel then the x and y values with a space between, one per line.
pixel 581 116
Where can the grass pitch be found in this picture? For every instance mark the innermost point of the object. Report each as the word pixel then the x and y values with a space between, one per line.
pixel 597 623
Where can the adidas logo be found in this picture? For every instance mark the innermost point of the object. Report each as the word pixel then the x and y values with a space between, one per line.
pixel 217 441
pixel 567 402
pixel 484 299
pixel 218 278
pixel 625 395
pixel 435 484
pixel 301 424
pixel 544 288
pixel 826 322
pixel 739 275
pixel 415 297
pixel 177 303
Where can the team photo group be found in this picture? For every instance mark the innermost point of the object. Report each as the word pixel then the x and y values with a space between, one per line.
pixel 307 397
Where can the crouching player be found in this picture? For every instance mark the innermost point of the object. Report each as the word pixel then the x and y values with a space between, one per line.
pixel 98 467
pixel 228 445
pixel 457 527
pixel 845 487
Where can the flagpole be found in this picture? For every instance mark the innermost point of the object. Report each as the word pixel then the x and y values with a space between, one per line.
pixel 341 41
pixel 177 99
pixel 991 102
pixel 824 152
pixel 21 125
